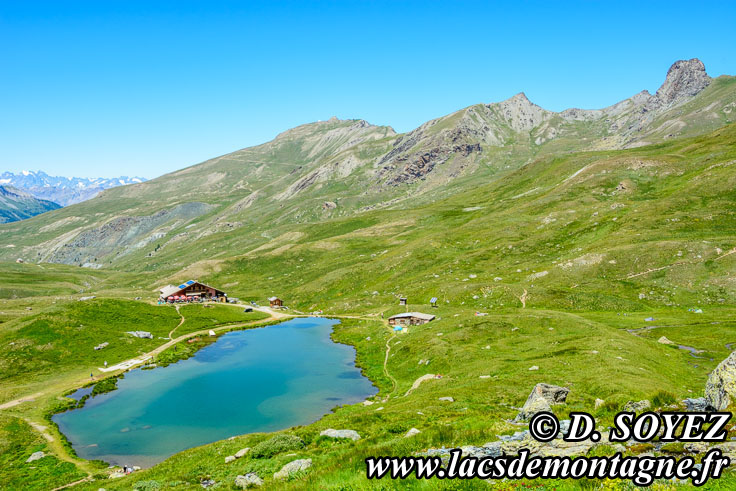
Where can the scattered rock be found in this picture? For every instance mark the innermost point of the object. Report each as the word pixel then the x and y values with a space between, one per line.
pixel 241 453
pixel 534 367
pixel 141 334
pixel 728 449
pixel 697 405
pixel 36 456
pixel 512 444
pixel 292 468
pixel 351 434
pixel 542 397
pixel 637 407
pixel 229 459
pixel 664 340
pixel 721 384
pixel 564 428
pixel 207 483
pixel 250 480
pixel 448 399
pixel 412 432
pixel 516 437
pixel 599 403
pixel 556 447
pixel 696 447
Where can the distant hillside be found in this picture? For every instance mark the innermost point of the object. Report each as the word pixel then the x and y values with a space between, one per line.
pixel 335 170
pixel 63 190
pixel 18 205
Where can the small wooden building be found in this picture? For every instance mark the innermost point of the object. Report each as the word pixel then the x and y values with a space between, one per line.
pixel 275 302
pixel 192 290
pixel 410 319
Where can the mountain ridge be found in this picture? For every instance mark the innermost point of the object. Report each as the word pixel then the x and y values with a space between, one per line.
pixel 337 168
pixel 63 190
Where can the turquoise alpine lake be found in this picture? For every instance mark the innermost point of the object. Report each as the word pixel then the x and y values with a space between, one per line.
pixel 256 380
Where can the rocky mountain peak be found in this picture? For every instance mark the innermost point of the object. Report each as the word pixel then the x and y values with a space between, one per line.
pixel 685 79
pixel 522 114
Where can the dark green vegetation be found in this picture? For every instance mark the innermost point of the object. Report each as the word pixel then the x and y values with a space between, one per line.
pixel 567 235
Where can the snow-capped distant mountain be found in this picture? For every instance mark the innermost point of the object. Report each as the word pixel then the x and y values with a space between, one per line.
pixel 63 190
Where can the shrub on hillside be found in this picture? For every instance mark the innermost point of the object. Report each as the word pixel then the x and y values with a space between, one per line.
pixel 275 445
pixel 663 398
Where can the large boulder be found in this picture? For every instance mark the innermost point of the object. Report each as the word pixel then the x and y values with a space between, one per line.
pixel 351 434
pixel 542 397
pixel 721 384
pixel 292 468
pixel 250 480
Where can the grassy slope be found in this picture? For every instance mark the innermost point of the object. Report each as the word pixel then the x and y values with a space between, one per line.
pixel 674 212
pixel 17 442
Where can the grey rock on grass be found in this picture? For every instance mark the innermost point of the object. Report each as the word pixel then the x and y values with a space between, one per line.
pixel 637 407
pixel 36 456
pixel 351 434
pixel 250 480
pixel 542 397
pixel 721 384
pixel 292 468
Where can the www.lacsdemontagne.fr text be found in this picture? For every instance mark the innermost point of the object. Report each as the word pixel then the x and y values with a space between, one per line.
pixel 641 470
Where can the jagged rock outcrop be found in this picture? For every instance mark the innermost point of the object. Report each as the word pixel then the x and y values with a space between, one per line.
pixel 542 397
pixel 521 114
pixel 720 388
pixel 685 79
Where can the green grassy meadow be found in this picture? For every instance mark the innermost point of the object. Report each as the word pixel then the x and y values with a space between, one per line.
pixel 554 264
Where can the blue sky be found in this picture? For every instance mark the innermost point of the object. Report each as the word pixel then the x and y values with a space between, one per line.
pixel 111 88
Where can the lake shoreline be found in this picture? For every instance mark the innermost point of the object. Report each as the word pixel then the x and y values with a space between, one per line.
pixel 274 416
